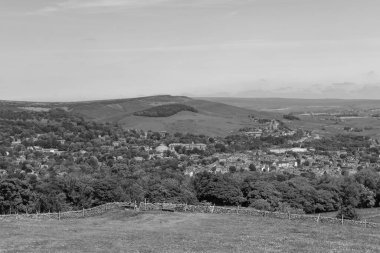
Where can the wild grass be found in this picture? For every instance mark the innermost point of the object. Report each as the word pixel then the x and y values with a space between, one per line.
pixel 126 231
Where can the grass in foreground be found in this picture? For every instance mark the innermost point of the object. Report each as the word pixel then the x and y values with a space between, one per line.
pixel 125 231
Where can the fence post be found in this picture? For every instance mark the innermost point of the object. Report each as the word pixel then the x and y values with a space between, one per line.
pixel 289 215
pixel 365 223
pixel 59 215
pixel 144 204
pixel 237 211
pixel 342 219
pixel 319 215
pixel 83 212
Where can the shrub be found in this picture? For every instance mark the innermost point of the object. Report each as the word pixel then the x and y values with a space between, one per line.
pixel 348 213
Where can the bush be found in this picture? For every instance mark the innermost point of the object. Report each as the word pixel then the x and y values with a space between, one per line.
pixel 348 213
pixel 261 204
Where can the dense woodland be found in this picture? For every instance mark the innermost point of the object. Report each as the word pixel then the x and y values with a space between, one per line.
pixel 165 110
pixel 89 173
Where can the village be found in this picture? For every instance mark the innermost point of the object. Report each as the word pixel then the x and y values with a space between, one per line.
pixel 38 153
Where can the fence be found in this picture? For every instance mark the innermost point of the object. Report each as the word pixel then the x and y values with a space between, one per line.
pixel 253 212
pixel 143 206
pixel 95 211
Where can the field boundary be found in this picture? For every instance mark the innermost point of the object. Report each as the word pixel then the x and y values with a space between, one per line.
pixel 254 212
pixel 144 206
pixel 90 212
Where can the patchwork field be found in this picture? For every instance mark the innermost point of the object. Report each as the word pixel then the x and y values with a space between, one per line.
pixel 126 231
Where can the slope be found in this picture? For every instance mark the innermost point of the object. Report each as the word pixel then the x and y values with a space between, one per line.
pixel 211 118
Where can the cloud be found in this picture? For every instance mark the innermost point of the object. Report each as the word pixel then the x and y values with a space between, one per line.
pixel 98 4
pixel 343 85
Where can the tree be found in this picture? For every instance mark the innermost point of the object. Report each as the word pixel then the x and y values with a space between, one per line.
pixel 260 204
pixel 252 167
pixel 217 189
pixel 349 199
pixel 347 212
pixel 232 169
pixel 15 196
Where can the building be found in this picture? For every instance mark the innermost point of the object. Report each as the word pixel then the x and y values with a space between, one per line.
pixel 162 148
pixel 199 146
pixel 257 133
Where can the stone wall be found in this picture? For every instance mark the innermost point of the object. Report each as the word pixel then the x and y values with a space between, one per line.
pixel 253 212
pixel 99 210
pixel 95 211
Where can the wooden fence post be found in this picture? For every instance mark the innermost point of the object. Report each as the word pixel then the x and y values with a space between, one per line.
pixel 342 219
pixel 319 215
pixel 83 212
pixel 237 211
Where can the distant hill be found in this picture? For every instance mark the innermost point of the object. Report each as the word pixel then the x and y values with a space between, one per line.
pixel 158 113
pixel 196 116
pixel 165 110
pixel 286 105
pixel 301 108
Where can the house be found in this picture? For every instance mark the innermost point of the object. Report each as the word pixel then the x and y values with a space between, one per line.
pixel 16 142
pixel 257 133
pixel 138 159
pixel 51 150
pixel 116 143
pixel 163 134
pixel 192 146
pixel 162 148
pixel 61 141
pixel 3 172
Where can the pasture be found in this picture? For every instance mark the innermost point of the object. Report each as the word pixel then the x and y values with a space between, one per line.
pixel 127 231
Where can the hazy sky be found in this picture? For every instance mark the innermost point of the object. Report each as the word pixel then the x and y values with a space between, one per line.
pixel 56 50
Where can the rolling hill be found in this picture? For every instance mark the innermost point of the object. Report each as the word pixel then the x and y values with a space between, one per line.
pixel 195 116
pixel 211 118
pixel 218 116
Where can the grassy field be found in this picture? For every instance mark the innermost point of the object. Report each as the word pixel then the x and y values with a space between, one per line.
pixel 125 231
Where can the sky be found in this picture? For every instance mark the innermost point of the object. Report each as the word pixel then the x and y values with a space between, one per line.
pixel 71 50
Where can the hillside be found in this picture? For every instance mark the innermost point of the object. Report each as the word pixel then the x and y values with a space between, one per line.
pixel 126 231
pixel 194 116
pixel 204 117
